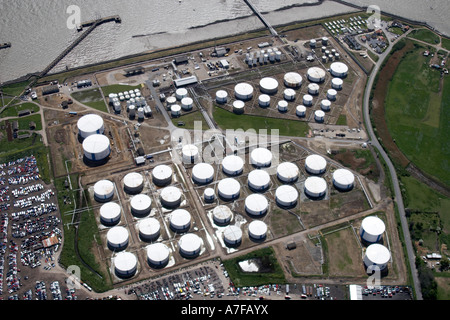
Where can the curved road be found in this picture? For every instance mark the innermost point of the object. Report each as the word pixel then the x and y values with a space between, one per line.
pixel 397 191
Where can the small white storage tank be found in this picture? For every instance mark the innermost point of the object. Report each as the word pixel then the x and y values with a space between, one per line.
pixel 190 245
pixel 282 106
pixel 268 85
pixel 170 197
pixel 175 110
pixel 103 191
pixel 141 205
pixel 232 236
pixel 232 165
pixel 110 214
pixel 277 55
pixel 331 94
pixel 190 153
pixel 343 179
pixel 90 124
pixel 372 229
pixel 117 238
pixel 181 93
pixel 132 112
pixel 307 100
pixel 286 196
pixel 96 147
pixel 289 94
pixel 203 173
pixel 300 111
pixel 133 183
pixel 243 91
pixel 158 255
pixel 162 175
pixel 312 43
pixel 258 180
pixel 313 88
pixel 229 189
pixel 315 164
pixel 256 204
pixel 257 230
pixel 222 215
pixel 186 103
pixel 377 255
pixel 319 116
pixel 140 113
pixel 171 100
pixel 209 195
pixel 238 107
pixel 125 265
pixel 336 83
pixel 221 96
pixel 315 187
pixel 149 229
pixel 293 80
pixel 287 172
pixel 261 157
pixel 339 69
pixel 325 105
pixel 264 100
pixel 324 41
pixel 180 220
pixel 316 74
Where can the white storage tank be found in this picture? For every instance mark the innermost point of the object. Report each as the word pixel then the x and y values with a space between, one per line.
pixel 140 113
pixel 232 165
pixel 319 116
pixel 140 205
pixel 162 175
pixel 325 105
pixel 287 172
pixel 339 69
pixel 222 215
pixel 282 106
pixel 110 214
pixel 149 229
pixel 243 91
pixel 170 197
pixel 181 93
pixel 331 94
pixel 221 96
pixel 336 83
pixel 103 190
pixel 289 94
pixel 264 100
pixel 258 180
pixel 158 255
pixel 286 196
pixel 257 230
pixel 261 157
pixel 256 205
pixel 190 245
pixel 343 179
pixel 209 195
pixel 312 43
pixel 376 256
pixel 96 147
pixel 372 229
pixel 316 74
pixel 315 164
pixel 307 100
pixel 203 173
pixel 293 80
pixel 186 103
pixel 268 85
pixel 125 265
pixel 238 107
pixel 117 238
pixel 180 220
pixel 315 187
pixel 313 89
pixel 277 55
pixel 300 111
pixel 175 110
pixel 232 236
pixel 133 183
pixel 324 41
pixel 229 189
pixel 190 153
pixel 90 124
pixel 171 100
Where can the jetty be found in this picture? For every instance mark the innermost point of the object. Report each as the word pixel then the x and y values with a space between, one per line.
pixel 5 45
pixel 89 23
pixel 261 17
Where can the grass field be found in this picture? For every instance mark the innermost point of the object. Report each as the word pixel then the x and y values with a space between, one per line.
pixel 425 35
pixel 189 120
pixel 417 115
pixel 92 98
pixel 445 43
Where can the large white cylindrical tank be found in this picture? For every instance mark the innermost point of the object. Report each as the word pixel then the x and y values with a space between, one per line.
pixel 258 180
pixel 171 100
pixel 90 124
pixel 256 205
pixel 232 165
pixel 243 91
pixel 103 190
pixel 181 93
pixel 158 255
pixel 140 205
pixel 175 110
pixel 316 74
pixel 162 175
pixel 187 103
pixel 222 215
pixel 238 107
pixel 257 230
pixel 287 172
pixel 149 229
pixel 232 236
pixel 315 187
pixel 170 197
pixel 190 245
pixel 376 256
pixel 293 80
pixel 331 94
pixel 324 41
pixel 229 189
pixel 96 147
pixel 264 100
pixel 209 195
pixel 336 83
pixel 312 43
pixel 203 173
pixel 339 69
pixel 221 96
pixel 180 220
pixel 261 157
pixel 319 116
pixel 301 111
pixel 289 94
pixel 307 100
pixel 313 89
pixel 343 179
pixel 125 265
pixel 372 229
pixel 190 153
pixel 110 214
pixel 268 85
pixel 315 164
pixel 117 238
pixel 325 105
pixel 282 106
pixel 133 183
pixel 286 196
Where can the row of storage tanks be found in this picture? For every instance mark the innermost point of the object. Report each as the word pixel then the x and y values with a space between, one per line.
pixel 136 104
pixel 261 57
pixel 180 102
pixel 96 146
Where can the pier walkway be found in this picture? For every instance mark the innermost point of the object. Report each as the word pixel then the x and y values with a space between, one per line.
pixel 261 17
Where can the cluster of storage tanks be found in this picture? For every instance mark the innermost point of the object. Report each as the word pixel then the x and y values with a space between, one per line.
pixel 376 255
pixel 261 57
pixel 136 105
pixel 96 146
pixel 179 102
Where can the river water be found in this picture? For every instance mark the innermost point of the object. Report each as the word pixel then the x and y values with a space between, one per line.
pixel 39 30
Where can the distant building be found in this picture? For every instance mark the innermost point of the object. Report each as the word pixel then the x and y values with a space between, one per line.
pixel 220 51
pixel 23 113
pixel 50 90
pixel 185 81
pixel 181 60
